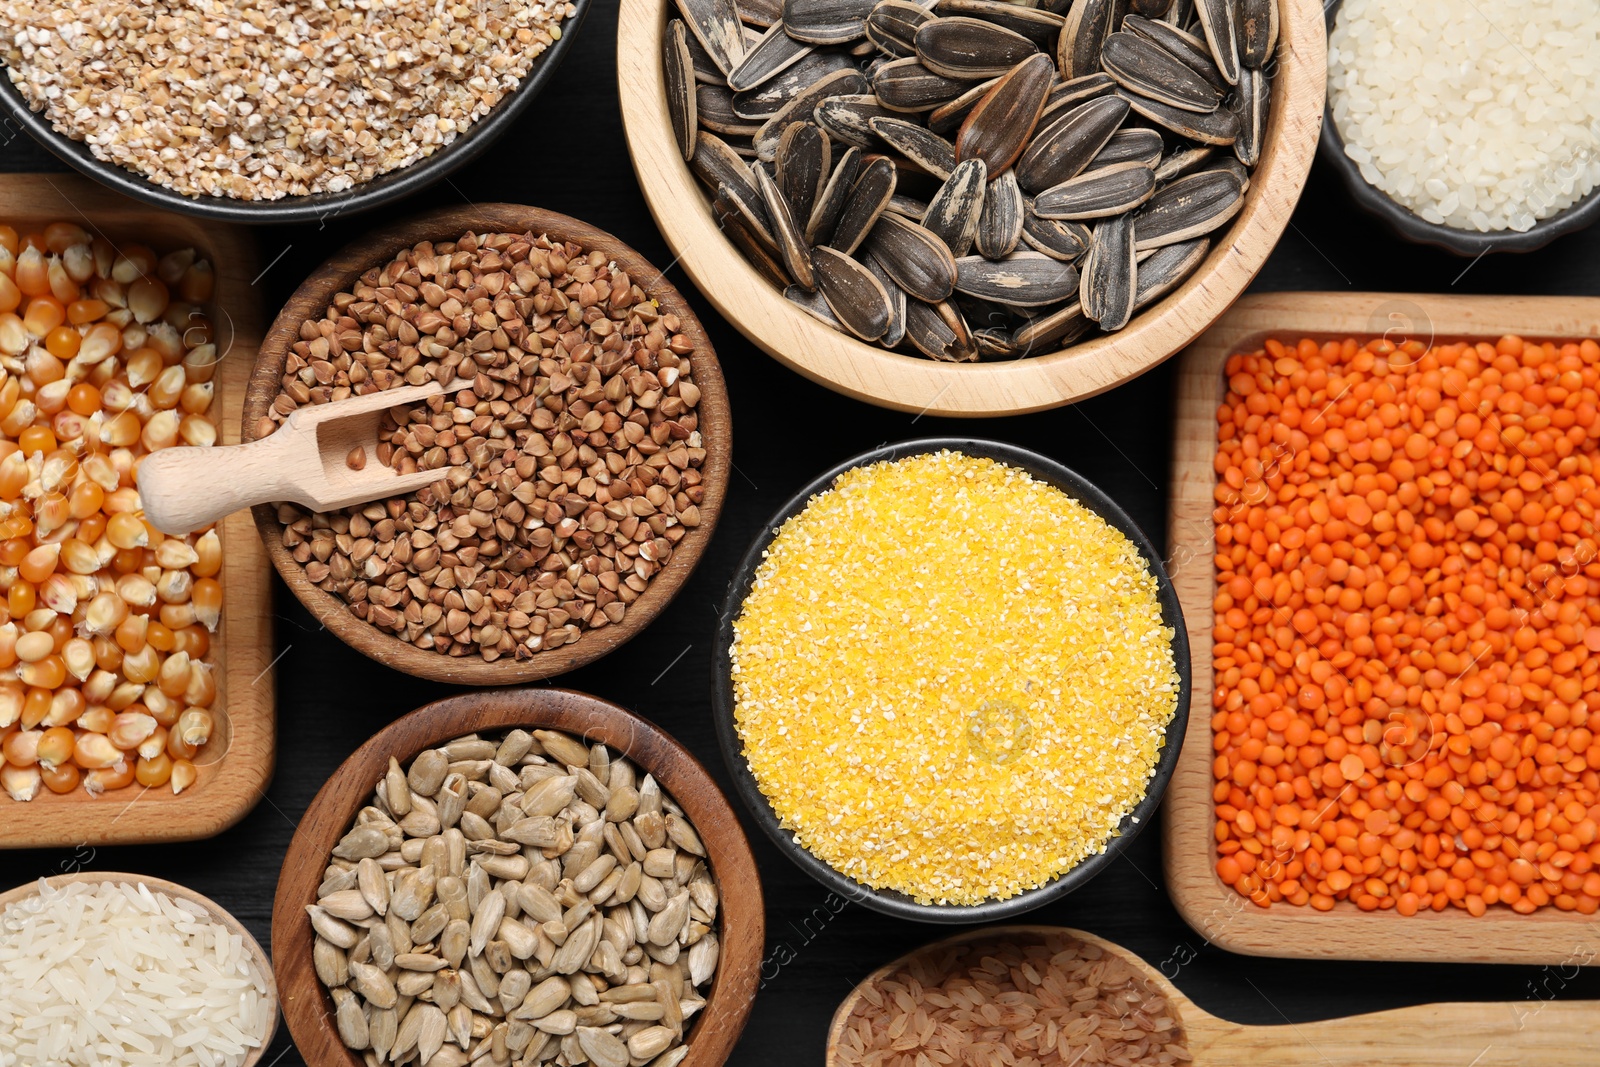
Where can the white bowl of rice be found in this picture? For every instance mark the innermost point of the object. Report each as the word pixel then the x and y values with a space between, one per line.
pixel 1473 127
pixel 106 970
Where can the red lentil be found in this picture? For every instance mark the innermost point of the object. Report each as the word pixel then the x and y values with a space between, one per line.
pixel 1408 599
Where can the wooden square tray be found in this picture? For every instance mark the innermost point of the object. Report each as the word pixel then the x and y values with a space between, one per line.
pixel 1214 909
pixel 236 764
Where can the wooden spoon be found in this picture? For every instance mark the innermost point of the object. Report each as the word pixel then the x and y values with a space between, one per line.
pixel 306 460
pixel 1524 1034
pixel 253 949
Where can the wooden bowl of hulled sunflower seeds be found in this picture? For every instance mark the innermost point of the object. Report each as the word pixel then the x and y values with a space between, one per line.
pixel 581 476
pixel 971 207
pixel 458 889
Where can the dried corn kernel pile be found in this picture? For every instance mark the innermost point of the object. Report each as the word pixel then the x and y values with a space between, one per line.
pixel 1407 615
pixel 105 622
pixel 950 679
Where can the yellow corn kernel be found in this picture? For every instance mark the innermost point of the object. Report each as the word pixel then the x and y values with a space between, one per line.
pixel 194 726
pixel 177 616
pixel 175 587
pixel 154 771
pixel 97 688
pixel 98 468
pixel 104 779
pixel 79 262
pixel 166 340
pixel 130 635
pixel 57 472
pixel 208 561
pixel 196 398
pixel 119 431
pixel 55 747
pixel 19 418
pixel 52 513
pixel 58 594
pixel 207 600
pixel 155 744
pixel 198 282
pixel 174 552
pixel 197 431
pixel 174 677
pixel 79 558
pixel 168 387
pixel 127 497
pixel 33 647
pixel 13 476
pixel 66 706
pixel 142 368
pixel 105 613
pixel 95 750
pixel 131 729
pixel 13 335
pixel 51 396
pixel 163 707
pixel 11 700
pixel 183 775
pixel 125 695
pixel 47 673
pixel 116 395
pixel 161 431
pixel 126 531
pixel 147 299
pixel 100 342
pixel 87 586
pixel 171 266
pixel 22 783
pixel 202 689
pixel 141 666
pixel 77 655
pixel 97 718
pixel 37 619
pixel 137 590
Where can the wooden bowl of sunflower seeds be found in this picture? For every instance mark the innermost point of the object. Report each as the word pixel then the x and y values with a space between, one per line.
pixel 972 207
pixel 530 876
pixel 580 477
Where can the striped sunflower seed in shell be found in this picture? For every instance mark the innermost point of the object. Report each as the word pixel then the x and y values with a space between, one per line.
pixel 1166 268
pixel 1000 223
pixel 1062 149
pixel 1061 239
pixel 907 85
pixel 946 119
pixel 1190 207
pixel 1036 24
pixel 1110 273
pixel 856 297
pixel 866 203
pixel 849 119
pixel 1022 279
pixel 677 69
pixel 939 332
pixel 1088 24
pixel 961 47
pixel 1003 121
pixel 1219 21
pixel 715 24
pixel 1258 32
pixel 1192 50
pixel 826 21
pixel 1219 127
pixel 831 200
pixel 917 260
pixel 770 56
pixel 1144 67
pixel 953 213
pixel 767 99
pixel 804 164
pixel 918 144
pixel 1066 95
pixel 1098 194
pixel 892 26
pixel 1134 145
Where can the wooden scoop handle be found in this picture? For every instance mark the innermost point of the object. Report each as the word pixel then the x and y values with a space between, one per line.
pixel 1531 1033
pixel 184 489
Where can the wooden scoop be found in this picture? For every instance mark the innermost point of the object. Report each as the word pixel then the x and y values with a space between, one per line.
pixel 306 460
pixel 1532 1033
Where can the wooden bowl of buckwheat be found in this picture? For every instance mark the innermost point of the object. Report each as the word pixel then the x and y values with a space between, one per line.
pixel 581 475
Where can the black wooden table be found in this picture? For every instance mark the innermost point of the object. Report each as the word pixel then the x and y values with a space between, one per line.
pixel 568 155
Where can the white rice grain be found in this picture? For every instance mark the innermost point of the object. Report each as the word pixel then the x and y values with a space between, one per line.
pixel 117 975
pixel 1481 116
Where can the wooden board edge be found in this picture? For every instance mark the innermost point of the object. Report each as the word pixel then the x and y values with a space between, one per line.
pixel 1225 919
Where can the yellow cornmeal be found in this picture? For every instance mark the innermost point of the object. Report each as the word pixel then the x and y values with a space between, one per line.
pixel 951 679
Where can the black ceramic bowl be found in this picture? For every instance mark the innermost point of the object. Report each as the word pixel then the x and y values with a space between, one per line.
pixel 318 206
pixel 891 902
pixel 1414 228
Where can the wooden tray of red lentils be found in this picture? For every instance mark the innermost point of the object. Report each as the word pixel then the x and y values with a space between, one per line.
pixel 1382 529
pixel 143 706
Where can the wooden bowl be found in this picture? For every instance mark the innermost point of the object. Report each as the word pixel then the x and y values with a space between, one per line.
pixel 172 889
pixel 893 902
pixel 1410 226
pixel 308 1008
pixel 236 765
pixel 338 275
pixel 909 383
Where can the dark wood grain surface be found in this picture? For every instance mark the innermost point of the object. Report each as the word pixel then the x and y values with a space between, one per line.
pixel 567 155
